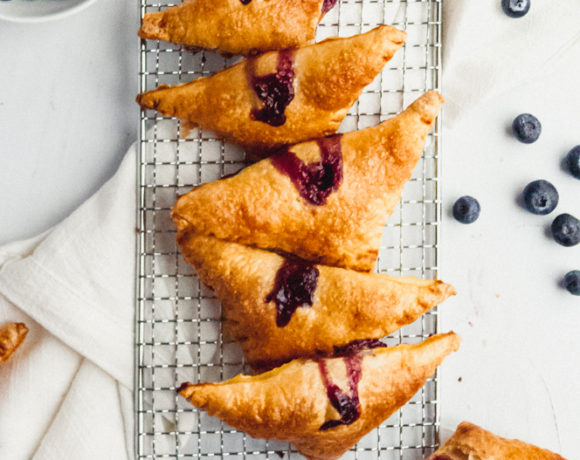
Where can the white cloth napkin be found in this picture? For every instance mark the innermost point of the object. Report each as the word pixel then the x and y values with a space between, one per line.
pixel 66 394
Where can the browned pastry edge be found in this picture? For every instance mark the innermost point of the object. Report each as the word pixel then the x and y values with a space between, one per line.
pixel 470 442
pixel 11 337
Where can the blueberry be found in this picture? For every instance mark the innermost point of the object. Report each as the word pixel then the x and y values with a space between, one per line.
pixel 573 161
pixel 526 128
pixel 540 197
pixel 466 209
pixel 572 282
pixel 515 8
pixel 566 230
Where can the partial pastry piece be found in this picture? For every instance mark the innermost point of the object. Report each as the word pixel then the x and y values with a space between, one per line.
pixel 325 200
pixel 237 26
pixel 324 407
pixel 471 442
pixel 11 337
pixel 282 308
pixel 281 98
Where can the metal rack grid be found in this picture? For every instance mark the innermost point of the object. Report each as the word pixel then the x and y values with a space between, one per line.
pixel 178 328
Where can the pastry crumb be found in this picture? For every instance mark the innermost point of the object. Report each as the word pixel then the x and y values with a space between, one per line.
pixel 11 337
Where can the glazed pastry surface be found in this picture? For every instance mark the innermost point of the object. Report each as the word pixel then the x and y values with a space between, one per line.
pixel 11 337
pixel 470 442
pixel 293 402
pixel 236 27
pixel 262 205
pixel 334 306
pixel 310 89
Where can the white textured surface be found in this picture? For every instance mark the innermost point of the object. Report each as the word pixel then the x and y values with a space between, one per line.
pixel 519 363
pixel 67 115
pixel 67 112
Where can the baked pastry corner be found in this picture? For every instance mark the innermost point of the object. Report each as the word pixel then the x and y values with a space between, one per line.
pixel 236 26
pixel 470 442
pixel 11 337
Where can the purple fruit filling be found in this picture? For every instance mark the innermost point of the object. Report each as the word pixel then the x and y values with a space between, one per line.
pixel 294 287
pixel 182 387
pixel 275 90
pixel 314 181
pixel 348 406
pixel 357 345
pixel 327 6
pixel 245 2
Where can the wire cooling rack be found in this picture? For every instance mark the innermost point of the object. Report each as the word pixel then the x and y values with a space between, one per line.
pixel 178 328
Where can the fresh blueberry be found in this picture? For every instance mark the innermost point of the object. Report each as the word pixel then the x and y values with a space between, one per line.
pixel 572 282
pixel 466 209
pixel 566 230
pixel 540 197
pixel 573 161
pixel 515 8
pixel 526 128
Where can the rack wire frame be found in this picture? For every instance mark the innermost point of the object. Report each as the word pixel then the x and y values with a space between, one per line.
pixel 178 328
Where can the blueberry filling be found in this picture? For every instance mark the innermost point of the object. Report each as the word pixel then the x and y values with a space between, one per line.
pixel 314 181
pixel 348 406
pixel 327 6
pixel 275 90
pixel 245 2
pixel 357 345
pixel 294 287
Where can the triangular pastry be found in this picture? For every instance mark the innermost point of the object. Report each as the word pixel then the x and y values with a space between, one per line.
pixel 325 200
pixel 474 443
pixel 324 407
pixel 11 337
pixel 282 308
pixel 281 98
pixel 237 26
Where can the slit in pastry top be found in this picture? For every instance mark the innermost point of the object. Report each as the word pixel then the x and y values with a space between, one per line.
pixel 274 90
pixel 314 181
pixel 347 405
pixel 294 287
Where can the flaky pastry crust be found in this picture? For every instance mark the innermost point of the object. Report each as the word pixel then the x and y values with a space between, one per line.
pixel 262 207
pixel 229 26
pixel 470 442
pixel 347 305
pixel 290 403
pixel 11 337
pixel 329 77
